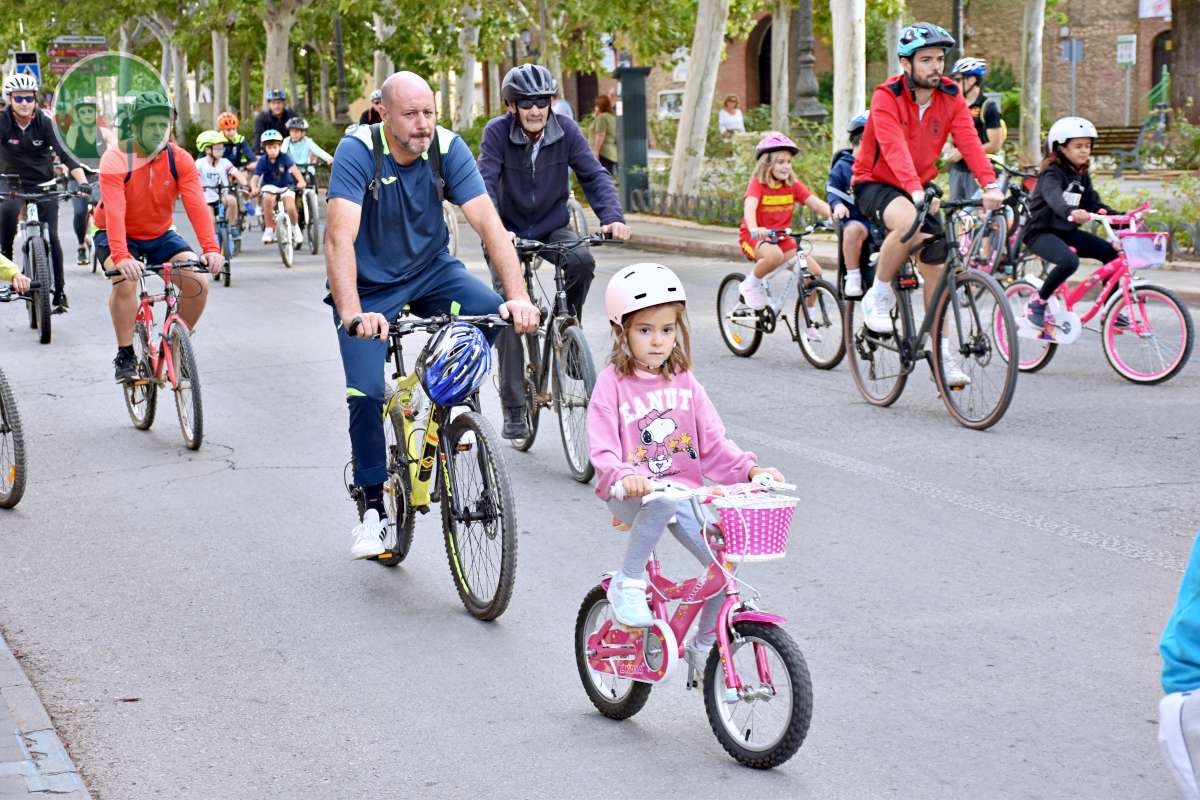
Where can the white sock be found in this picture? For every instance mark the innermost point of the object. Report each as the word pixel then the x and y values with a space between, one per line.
pixel 753 280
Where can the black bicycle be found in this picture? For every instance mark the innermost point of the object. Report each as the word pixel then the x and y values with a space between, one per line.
pixel 12 440
pixel 993 244
pixel 558 348
pixel 965 305
pixel 308 209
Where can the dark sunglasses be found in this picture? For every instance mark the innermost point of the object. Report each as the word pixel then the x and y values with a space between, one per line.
pixel 24 98
pixel 529 102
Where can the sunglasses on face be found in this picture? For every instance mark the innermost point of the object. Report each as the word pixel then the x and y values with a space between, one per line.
pixel 24 98
pixel 530 102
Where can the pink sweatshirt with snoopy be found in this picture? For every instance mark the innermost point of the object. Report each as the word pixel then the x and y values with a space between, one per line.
pixel 643 424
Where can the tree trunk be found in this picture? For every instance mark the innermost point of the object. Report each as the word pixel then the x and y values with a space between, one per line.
pixel 780 19
pixel 959 12
pixel 383 62
pixel 447 112
pixel 278 18
pixel 551 57
pixel 1031 81
pixel 468 41
pixel 894 26
pixel 707 42
pixel 1185 75
pixel 323 97
pixel 220 99
pixel 849 66
pixel 495 101
pixel 179 89
pixel 244 87
pixel 293 89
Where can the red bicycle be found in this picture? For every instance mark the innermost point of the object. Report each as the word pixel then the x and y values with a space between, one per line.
pixel 164 356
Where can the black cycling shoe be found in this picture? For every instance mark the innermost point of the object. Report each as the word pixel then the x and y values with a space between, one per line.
pixel 515 424
pixel 125 367
pixel 61 306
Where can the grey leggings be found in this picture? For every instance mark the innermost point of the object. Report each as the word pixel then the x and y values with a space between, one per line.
pixel 649 521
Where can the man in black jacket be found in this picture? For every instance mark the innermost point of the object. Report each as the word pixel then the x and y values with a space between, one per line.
pixel 28 143
pixel 273 117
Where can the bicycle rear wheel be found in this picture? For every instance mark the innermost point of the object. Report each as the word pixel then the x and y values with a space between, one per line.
pixel 12 448
pixel 874 360
pixel 478 516
pixel 312 224
pixel 739 322
pixel 993 379
pixel 574 379
pixel 578 220
pixel 1032 354
pixel 39 306
pixel 1158 339
pixel 141 396
pixel 828 349
pixel 613 696
pixel 187 387
pixel 401 519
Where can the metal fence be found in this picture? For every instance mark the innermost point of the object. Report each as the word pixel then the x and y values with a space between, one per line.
pixel 707 210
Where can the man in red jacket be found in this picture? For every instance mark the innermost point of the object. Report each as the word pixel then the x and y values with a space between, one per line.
pixel 912 115
pixel 139 182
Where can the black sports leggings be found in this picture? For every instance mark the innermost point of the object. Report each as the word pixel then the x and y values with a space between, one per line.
pixel 47 213
pixel 1056 248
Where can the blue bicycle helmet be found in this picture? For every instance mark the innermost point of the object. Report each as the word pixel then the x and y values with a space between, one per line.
pixel 858 123
pixel 454 363
pixel 920 35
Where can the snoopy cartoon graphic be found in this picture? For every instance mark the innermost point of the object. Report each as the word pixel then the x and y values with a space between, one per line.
pixel 656 429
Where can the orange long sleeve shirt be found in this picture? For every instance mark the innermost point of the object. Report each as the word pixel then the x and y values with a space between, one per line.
pixel 143 207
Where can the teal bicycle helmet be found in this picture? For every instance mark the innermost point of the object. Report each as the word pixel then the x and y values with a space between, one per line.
pixel 920 35
pixel 454 363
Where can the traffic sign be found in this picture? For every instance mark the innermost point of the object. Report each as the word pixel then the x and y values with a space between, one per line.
pixel 1127 50
pixel 27 63
pixel 74 52
pixel 70 40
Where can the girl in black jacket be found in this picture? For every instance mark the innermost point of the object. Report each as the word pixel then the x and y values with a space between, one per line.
pixel 1060 203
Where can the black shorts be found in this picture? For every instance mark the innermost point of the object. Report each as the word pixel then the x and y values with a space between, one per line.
pixel 873 198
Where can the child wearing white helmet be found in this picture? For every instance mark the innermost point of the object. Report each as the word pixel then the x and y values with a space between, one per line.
pixel 649 418
pixel 1059 204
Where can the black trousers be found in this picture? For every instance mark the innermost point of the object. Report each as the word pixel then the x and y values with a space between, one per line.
pixel 580 268
pixel 1056 249
pixel 47 213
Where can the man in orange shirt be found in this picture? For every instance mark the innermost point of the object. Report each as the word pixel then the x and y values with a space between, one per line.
pixel 139 182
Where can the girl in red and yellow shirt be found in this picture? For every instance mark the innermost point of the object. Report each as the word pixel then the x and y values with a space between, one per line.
pixel 771 199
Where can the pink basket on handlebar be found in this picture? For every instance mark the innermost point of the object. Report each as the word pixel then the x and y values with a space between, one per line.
pixel 756 528
pixel 1144 249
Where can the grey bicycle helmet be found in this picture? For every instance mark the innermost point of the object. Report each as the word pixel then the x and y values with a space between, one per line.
pixel 297 122
pixel 528 80
pixel 277 94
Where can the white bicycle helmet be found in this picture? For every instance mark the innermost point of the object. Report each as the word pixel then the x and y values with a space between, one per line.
pixel 970 66
pixel 20 82
pixel 641 286
pixel 1069 128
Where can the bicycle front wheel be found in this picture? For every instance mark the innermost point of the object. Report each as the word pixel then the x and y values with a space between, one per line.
pixel 283 237
pixel 821 344
pixel 12 448
pixel 574 379
pixel 739 322
pixel 39 306
pixel 187 387
pixel 532 342
pixel 312 225
pixel 141 395
pixel 479 517
pixel 974 340
pixel 875 360
pixel 1154 340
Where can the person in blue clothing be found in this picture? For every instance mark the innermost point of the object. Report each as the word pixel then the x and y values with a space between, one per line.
pixel 856 228
pixel 386 247
pixel 271 181
pixel 1179 710
pixel 524 159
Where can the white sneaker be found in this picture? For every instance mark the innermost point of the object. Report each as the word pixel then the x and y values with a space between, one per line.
pixel 812 334
pixel 297 236
pixel 269 236
pixel 627 596
pixel 854 283
pixel 697 650
pixel 955 377
pixel 753 294
pixel 876 310
pixel 368 536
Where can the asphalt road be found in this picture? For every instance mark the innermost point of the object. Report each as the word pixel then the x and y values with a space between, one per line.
pixel 979 611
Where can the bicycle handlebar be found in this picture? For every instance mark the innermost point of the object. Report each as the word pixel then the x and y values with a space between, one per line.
pixel 193 265
pixel 7 295
pixel 775 234
pixel 405 326
pixel 677 491
pixel 534 247
pixel 931 191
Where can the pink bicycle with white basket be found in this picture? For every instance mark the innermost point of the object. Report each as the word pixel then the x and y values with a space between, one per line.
pixel 1146 331
pixel 757 690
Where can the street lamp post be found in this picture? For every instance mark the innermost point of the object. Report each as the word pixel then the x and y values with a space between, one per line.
pixel 341 108
pixel 804 79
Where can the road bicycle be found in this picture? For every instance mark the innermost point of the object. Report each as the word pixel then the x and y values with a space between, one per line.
pixel 479 519
pixel 756 686
pixel 308 209
pixel 817 328
pixel 558 349
pixel 965 304
pixel 993 244
pixel 1146 331
pixel 450 217
pixel 13 470
pixel 164 355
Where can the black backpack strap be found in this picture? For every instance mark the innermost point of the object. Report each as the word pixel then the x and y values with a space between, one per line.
pixel 170 163
pixel 435 164
pixel 377 152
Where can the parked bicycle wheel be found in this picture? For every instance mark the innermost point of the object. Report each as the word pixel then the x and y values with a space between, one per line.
pixel 532 342
pixel 141 396
pixel 828 349
pixel 312 223
pixel 982 403
pixel 1032 354
pixel 613 696
pixel 574 379
pixel 396 492
pixel 451 219
pixel 874 361
pixel 1158 339
pixel 739 322
pixel 37 264
pixel 478 516
pixel 187 387
pixel 12 448
pixel 769 721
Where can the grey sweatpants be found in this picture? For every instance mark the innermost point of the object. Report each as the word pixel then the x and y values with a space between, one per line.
pixel 649 521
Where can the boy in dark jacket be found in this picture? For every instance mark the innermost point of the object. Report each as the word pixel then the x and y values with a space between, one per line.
pixel 856 228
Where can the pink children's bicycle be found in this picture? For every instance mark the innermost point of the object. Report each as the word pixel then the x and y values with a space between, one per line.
pixel 757 690
pixel 1146 331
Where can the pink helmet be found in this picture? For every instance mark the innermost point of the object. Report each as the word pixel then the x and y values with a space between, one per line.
pixel 775 141
pixel 641 286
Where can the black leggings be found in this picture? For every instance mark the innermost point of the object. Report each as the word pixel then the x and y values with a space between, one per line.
pixel 47 213
pixel 1056 249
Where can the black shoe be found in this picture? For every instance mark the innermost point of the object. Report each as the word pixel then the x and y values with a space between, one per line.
pixel 515 424
pixel 81 256
pixel 125 367
pixel 61 306
pixel 1036 313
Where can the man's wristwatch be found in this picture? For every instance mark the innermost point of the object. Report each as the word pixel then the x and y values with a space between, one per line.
pixel 990 186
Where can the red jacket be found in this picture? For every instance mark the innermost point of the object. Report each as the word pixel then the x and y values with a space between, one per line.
pixel 901 147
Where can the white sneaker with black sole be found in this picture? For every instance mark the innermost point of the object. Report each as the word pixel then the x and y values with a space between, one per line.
pixel 368 536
